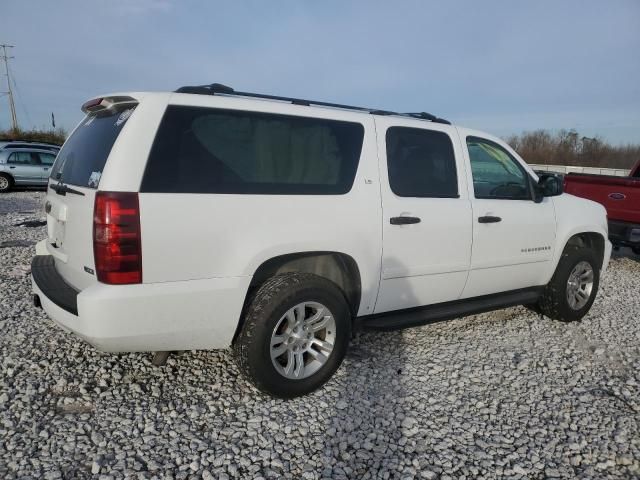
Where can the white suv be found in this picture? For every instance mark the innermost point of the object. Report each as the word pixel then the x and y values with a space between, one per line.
pixel 208 218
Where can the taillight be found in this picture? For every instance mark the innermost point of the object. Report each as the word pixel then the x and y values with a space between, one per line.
pixel 117 248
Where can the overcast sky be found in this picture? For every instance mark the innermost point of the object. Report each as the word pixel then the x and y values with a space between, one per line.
pixel 500 66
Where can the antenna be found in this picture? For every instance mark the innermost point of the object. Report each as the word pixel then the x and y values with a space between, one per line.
pixel 12 105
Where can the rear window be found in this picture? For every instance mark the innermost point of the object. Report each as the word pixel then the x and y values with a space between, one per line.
pixel 83 156
pixel 47 158
pixel 204 150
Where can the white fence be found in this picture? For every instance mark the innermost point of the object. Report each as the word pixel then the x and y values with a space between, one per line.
pixel 598 171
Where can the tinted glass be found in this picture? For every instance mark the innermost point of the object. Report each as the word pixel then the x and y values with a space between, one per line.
pixel 20 158
pixel 203 150
pixel 46 158
pixel 496 174
pixel 421 163
pixel 83 156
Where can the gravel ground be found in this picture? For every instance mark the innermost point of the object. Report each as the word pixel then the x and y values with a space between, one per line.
pixel 505 394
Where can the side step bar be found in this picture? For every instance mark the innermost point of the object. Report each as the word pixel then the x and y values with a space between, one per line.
pixel 415 317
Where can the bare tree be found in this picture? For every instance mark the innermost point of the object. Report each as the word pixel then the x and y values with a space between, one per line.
pixel 567 147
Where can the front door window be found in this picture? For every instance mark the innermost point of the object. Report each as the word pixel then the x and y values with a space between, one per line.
pixel 496 174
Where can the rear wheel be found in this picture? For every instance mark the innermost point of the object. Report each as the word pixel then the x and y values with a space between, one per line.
pixel 5 183
pixel 572 290
pixel 295 334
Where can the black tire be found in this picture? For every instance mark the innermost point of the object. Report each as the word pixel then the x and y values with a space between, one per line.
pixel 636 250
pixel 553 303
pixel 5 186
pixel 264 310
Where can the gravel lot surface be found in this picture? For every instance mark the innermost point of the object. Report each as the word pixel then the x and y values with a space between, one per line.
pixel 504 394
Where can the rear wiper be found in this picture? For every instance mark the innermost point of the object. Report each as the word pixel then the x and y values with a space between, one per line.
pixel 62 189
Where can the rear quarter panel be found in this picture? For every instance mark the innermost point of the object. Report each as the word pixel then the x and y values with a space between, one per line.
pixel 199 236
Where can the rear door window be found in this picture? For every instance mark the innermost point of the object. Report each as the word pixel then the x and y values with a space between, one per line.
pixel 421 163
pixel 21 158
pixel 84 155
pixel 204 150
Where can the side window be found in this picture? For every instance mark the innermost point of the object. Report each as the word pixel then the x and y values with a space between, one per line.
pixel 230 151
pixel 496 174
pixel 421 163
pixel 20 158
pixel 47 158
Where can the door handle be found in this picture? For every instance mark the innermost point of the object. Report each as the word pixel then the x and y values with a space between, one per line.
pixel 489 219
pixel 12 167
pixel 403 220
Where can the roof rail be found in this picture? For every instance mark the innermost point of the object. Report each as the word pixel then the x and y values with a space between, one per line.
pixel 428 116
pixel 15 140
pixel 23 144
pixel 219 89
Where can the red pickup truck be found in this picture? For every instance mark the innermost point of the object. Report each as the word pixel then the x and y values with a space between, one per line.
pixel 619 195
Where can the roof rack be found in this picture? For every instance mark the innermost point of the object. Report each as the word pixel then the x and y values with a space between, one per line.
pixel 25 144
pixel 219 89
pixel 16 140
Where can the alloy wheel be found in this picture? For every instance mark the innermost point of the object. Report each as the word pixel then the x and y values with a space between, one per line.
pixel 303 340
pixel 580 285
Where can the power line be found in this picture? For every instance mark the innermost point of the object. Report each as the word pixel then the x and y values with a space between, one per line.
pixel 12 105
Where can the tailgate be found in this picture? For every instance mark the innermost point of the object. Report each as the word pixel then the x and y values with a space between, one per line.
pixel 74 180
pixel 619 195
pixel 70 235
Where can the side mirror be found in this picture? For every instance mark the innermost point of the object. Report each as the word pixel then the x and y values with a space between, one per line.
pixel 550 184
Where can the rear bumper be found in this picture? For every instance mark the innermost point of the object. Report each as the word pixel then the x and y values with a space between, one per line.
pixel 624 233
pixel 187 315
pixel 47 279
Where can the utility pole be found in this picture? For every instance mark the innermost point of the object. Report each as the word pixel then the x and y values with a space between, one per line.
pixel 12 105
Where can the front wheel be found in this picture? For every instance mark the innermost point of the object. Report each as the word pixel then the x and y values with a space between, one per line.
pixel 572 290
pixel 295 334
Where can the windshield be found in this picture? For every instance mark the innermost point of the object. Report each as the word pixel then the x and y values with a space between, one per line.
pixel 84 155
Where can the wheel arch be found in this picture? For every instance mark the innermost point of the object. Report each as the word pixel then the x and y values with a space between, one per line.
pixel 337 267
pixel 587 239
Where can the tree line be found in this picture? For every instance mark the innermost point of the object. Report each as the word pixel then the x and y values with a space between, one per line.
pixel 56 136
pixel 540 147
pixel 568 147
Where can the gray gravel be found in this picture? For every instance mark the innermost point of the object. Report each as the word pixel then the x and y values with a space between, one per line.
pixel 504 394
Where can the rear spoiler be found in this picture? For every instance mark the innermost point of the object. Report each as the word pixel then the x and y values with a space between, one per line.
pixel 107 103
